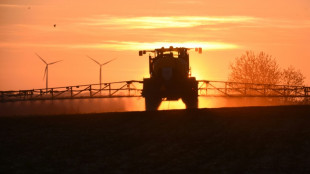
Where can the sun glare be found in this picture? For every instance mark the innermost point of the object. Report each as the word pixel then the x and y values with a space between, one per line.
pixel 165 105
pixel 197 75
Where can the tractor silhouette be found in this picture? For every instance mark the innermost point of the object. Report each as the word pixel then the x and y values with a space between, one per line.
pixel 170 78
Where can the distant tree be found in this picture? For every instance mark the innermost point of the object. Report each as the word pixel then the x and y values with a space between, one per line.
pixel 251 68
pixel 263 69
pixel 291 76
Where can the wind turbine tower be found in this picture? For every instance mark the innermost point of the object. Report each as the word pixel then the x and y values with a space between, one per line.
pixel 46 69
pixel 101 64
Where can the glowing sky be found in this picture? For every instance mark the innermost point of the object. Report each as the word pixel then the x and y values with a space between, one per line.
pixel 103 30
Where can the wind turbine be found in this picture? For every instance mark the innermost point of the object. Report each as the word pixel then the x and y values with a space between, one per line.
pixel 101 64
pixel 46 69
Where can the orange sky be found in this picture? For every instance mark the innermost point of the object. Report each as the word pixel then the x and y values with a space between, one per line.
pixel 104 30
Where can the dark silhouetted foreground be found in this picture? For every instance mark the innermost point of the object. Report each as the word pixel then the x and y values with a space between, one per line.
pixel 224 140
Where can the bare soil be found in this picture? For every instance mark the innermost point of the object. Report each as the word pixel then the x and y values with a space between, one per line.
pixel 223 140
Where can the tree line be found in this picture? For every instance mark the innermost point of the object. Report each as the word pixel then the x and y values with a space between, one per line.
pixel 262 68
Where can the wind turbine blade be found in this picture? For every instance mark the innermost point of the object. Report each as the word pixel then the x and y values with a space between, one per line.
pixel 108 61
pixel 94 60
pixel 55 62
pixel 41 58
pixel 45 72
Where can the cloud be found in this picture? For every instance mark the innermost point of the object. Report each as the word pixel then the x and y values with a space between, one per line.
pixel 129 45
pixel 202 22
pixel 285 23
pixel 184 2
pixel 123 45
pixel 12 6
pixel 273 23
pixel 147 22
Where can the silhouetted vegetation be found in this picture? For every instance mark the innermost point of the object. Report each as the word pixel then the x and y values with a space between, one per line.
pixel 263 69
pixel 291 76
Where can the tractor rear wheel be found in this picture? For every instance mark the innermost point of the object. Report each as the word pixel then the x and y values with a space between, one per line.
pixel 191 102
pixel 152 103
pixel 190 93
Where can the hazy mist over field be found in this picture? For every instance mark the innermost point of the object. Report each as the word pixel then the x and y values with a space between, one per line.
pixel 84 106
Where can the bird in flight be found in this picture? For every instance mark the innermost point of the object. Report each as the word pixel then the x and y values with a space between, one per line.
pixel 54 25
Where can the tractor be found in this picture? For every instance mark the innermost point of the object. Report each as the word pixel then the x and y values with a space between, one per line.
pixel 170 78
